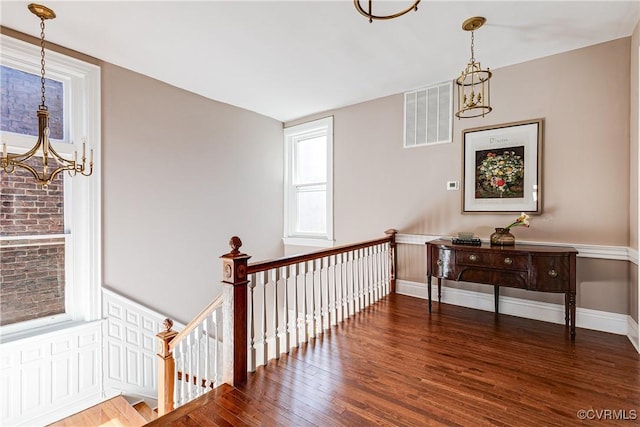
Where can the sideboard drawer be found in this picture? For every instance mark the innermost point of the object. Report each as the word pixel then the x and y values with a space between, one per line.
pixel 502 261
pixel 550 274
pixel 472 258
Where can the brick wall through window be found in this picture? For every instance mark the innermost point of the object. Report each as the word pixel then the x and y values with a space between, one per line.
pixel 32 277
pixel 19 101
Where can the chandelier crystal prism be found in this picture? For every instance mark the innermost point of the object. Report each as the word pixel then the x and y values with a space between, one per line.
pixel 474 98
pixel 369 12
pixel 52 162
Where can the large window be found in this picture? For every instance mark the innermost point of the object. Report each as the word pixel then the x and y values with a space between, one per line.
pixel 49 237
pixel 308 192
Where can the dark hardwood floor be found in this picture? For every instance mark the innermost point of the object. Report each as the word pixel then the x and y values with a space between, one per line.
pixel 396 365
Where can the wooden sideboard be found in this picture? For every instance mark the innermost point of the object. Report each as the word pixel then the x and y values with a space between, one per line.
pixel 531 267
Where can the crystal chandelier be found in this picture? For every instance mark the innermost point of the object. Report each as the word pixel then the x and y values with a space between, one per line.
pixel 369 13
pixel 473 84
pixel 52 162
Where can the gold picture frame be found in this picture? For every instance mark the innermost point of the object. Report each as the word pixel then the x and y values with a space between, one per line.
pixel 502 168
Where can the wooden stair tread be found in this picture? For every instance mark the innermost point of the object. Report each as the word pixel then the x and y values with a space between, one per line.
pixel 177 416
pixel 115 411
pixel 146 411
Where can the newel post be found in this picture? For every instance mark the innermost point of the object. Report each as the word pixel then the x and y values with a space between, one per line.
pixel 234 314
pixel 166 368
pixel 393 257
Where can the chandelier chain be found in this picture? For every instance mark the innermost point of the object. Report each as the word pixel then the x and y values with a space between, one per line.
pixel 42 81
pixel 473 59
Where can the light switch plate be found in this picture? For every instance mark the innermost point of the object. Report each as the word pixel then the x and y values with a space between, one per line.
pixel 453 185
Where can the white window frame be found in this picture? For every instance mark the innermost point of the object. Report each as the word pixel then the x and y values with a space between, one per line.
pixel 291 135
pixel 82 194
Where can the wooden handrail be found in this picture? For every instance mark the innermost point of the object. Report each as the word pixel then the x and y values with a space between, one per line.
pixel 259 266
pixel 233 299
pixel 215 304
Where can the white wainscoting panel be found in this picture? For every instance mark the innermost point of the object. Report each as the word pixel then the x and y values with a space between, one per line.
pixel 130 346
pixel 49 376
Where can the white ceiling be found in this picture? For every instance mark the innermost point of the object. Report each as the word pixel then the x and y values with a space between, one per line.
pixel 289 59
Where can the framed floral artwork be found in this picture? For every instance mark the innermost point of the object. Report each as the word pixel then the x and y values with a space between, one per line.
pixel 502 168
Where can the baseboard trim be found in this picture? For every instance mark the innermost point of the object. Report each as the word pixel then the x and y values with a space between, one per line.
pixel 585 318
pixel 633 334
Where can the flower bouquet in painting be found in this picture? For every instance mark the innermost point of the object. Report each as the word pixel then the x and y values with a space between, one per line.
pixel 500 174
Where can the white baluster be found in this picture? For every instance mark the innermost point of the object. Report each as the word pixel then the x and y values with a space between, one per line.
pixel 354 283
pixel 345 285
pixel 327 307
pixel 217 363
pixel 206 332
pixel 198 371
pixel 360 280
pixel 365 277
pixel 183 382
pixel 189 374
pixel 370 280
pixel 294 271
pixel 387 266
pixel 368 264
pixel 335 290
pixel 176 383
pixel 305 328
pixel 383 262
pixel 320 295
pixel 265 344
pixel 377 273
pixel 275 275
pixel 312 270
pixel 252 324
pixel 287 328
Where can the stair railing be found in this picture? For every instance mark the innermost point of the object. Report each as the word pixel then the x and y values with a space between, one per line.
pixel 190 362
pixel 265 309
pixel 295 299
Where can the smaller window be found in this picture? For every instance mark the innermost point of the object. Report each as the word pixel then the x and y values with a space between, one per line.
pixel 308 192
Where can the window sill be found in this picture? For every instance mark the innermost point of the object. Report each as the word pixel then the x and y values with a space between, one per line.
pixel 308 241
pixel 36 333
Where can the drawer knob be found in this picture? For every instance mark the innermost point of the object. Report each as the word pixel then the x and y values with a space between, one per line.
pixel 508 261
pixel 439 262
pixel 553 273
pixel 473 257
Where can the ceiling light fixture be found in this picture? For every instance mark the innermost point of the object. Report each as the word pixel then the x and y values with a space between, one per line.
pixel 52 162
pixel 473 84
pixel 369 14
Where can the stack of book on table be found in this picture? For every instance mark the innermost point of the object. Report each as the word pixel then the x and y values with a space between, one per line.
pixel 466 239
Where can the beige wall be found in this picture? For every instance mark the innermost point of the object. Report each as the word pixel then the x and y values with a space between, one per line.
pixel 584 98
pixel 181 175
